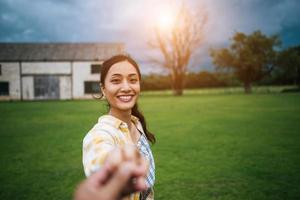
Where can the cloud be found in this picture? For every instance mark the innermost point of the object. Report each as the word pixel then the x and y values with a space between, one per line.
pixel 269 16
pixel 131 21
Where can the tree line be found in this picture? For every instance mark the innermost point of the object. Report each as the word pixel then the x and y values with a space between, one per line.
pixel 204 79
pixel 253 59
pixel 283 75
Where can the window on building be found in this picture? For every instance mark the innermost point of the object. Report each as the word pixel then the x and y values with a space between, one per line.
pixel 4 89
pixel 46 87
pixel 95 68
pixel 0 70
pixel 91 87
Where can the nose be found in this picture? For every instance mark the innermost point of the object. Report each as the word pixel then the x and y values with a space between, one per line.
pixel 125 86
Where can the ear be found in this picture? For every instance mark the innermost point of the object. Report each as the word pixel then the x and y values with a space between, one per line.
pixel 102 89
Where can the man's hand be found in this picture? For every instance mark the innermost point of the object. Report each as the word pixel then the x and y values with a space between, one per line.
pixel 122 173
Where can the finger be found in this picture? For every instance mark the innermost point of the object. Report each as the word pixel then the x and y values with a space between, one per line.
pixel 130 153
pixel 140 173
pixel 113 160
pixel 120 180
pixel 141 167
pixel 140 184
pixel 97 178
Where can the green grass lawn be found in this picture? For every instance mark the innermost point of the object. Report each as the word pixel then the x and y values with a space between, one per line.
pixel 208 146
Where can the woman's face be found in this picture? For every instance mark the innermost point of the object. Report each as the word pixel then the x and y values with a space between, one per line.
pixel 121 86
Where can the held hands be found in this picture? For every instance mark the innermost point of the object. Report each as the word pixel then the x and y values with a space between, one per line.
pixel 123 173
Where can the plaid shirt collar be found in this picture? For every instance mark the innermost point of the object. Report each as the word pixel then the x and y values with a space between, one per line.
pixel 109 119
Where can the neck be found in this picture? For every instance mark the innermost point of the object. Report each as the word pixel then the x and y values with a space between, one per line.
pixel 125 116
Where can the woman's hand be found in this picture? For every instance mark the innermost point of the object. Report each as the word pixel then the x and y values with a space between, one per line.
pixel 123 173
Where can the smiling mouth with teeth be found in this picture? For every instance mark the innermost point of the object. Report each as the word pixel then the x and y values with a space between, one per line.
pixel 125 98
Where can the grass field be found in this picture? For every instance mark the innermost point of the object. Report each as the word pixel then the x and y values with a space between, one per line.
pixel 208 146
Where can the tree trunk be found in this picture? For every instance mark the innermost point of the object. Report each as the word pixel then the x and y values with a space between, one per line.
pixel 248 87
pixel 178 92
pixel 177 84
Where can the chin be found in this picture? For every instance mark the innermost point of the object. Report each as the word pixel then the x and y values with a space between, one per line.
pixel 125 107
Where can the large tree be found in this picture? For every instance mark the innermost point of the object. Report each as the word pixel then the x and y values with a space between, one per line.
pixel 250 57
pixel 179 42
pixel 288 68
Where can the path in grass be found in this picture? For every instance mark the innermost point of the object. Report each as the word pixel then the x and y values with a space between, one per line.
pixel 208 147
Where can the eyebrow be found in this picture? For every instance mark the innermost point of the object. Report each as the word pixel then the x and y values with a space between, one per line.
pixel 128 75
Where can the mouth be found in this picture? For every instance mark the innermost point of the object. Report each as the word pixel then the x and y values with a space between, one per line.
pixel 125 98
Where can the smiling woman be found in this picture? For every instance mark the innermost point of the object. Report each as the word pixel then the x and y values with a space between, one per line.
pixel 123 125
pixel 121 87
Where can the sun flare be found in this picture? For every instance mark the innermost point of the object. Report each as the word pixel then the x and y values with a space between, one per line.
pixel 166 20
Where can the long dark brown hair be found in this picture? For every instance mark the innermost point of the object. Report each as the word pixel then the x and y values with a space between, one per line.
pixel 135 111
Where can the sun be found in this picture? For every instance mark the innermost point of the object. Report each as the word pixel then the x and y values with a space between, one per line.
pixel 166 20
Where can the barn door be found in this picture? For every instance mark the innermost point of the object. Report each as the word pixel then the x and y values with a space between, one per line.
pixel 46 87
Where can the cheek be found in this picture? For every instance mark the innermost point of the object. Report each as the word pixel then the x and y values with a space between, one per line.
pixel 109 92
pixel 137 88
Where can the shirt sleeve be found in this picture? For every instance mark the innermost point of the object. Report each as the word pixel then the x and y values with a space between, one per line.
pixel 96 146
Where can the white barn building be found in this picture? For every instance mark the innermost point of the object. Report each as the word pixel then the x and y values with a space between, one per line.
pixel 34 71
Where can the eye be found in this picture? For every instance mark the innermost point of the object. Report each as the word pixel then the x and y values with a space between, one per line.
pixel 133 80
pixel 115 81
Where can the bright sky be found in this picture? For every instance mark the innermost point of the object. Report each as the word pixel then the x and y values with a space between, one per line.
pixel 132 22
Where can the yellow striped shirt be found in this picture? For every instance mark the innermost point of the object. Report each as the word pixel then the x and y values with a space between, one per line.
pixel 107 134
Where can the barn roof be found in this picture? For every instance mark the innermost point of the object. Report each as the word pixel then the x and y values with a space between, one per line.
pixel 58 51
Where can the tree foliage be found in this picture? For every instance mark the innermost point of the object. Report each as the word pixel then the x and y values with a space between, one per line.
pixel 288 70
pixel 249 57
